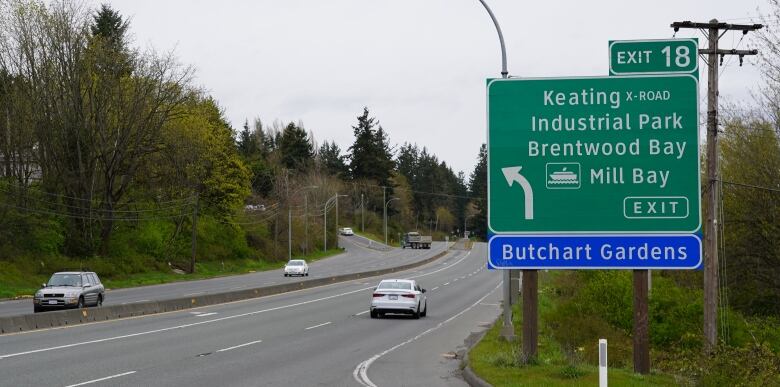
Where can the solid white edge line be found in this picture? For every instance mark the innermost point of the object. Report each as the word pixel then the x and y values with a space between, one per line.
pixel 10 355
pixel 102 379
pixel 363 312
pixel 317 326
pixel 206 314
pixel 360 374
pixel 434 288
pixel 239 346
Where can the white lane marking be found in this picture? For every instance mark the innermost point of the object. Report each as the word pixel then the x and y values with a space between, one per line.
pixel 446 283
pixel 102 379
pixel 179 326
pixel 361 371
pixel 363 312
pixel 192 294
pixel 239 346
pixel 206 314
pixel 434 288
pixel 10 355
pixel 455 280
pixel 317 326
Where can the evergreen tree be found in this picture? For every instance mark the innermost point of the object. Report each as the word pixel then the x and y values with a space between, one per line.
pixel 108 43
pixel 478 188
pixel 332 161
pixel 370 155
pixel 108 25
pixel 407 162
pixel 297 152
pixel 247 145
pixel 261 140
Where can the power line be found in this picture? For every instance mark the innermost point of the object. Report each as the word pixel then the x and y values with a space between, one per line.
pixel 749 186
pixel 88 217
pixel 30 188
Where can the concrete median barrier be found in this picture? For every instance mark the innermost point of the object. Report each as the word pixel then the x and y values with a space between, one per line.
pixel 60 318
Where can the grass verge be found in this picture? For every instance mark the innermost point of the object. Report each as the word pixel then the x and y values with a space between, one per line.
pixel 372 236
pixel 500 362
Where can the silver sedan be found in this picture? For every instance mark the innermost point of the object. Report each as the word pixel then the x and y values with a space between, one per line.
pixel 400 297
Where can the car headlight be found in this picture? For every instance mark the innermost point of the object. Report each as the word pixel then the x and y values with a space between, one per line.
pixel 38 294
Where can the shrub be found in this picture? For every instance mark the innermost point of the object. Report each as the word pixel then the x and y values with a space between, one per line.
pixel 571 371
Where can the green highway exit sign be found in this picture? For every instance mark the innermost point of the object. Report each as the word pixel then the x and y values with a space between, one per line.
pixel 593 155
pixel 632 57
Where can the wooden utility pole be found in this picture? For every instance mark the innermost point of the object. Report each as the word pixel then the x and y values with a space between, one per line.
pixel 530 313
pixel 641 325
pixel 711 185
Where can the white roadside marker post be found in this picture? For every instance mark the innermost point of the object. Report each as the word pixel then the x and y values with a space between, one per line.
pixel 602 363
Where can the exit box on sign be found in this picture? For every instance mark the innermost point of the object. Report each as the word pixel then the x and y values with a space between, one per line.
pixel 655 207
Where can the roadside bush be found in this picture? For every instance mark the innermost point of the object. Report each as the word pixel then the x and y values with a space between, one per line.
pixel 600 305
pixel 152 237
pixel 676 315
pixel 754 365
pixel 220 241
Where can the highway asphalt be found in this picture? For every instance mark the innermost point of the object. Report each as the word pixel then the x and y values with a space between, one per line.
pixel 314 337
pixel 357 257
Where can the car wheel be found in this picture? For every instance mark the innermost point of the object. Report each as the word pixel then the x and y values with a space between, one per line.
pixel 416 314
pixel 36 309
pixel 99 301
pixel 307 274
pixel 425 311
pixel 80 305
pixel 285 274
pixel 374 314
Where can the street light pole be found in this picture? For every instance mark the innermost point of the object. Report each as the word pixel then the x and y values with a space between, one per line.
pixel 289 219
pixel 385 216
pixel 362 214
pixel 325 223
pixel 508 331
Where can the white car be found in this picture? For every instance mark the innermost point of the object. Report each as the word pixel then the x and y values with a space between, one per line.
pixel 296 267
pixel 347 231
pixel 399 296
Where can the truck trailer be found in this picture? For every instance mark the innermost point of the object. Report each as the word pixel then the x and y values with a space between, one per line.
pixel 416 241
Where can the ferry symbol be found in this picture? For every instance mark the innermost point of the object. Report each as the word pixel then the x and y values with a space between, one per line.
pixel 563 175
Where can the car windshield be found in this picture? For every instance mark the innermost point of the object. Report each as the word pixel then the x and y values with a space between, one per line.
pixel 395 286
pixel 65 280
pixel 295 263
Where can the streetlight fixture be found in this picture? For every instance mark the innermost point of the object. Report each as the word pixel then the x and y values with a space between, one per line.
pixel 289 220
pixel 385 216
pixel 325 225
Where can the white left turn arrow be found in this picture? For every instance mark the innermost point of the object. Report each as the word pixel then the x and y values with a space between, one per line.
pixel 512 175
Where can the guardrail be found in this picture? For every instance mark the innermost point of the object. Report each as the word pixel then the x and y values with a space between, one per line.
pixel 61 318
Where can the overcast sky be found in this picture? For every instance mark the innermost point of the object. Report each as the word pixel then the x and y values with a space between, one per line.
pixel 419 65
